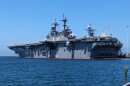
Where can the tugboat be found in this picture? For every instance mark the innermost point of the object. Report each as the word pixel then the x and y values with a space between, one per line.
pixel 65 45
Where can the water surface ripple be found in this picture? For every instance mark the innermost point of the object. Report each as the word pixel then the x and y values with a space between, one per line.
pixel 41 72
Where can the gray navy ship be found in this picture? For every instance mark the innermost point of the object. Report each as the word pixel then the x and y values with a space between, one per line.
pixel 65 45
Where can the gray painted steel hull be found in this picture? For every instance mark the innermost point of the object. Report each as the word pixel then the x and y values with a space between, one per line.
pixel 75 50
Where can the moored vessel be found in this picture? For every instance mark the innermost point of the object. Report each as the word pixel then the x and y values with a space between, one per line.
pixel 65 45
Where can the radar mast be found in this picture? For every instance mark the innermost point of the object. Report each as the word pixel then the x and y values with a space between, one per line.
pixel 55 25
pixel 90 31
pixel 64 21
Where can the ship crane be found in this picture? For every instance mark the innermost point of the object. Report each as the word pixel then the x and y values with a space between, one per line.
pixel 104 33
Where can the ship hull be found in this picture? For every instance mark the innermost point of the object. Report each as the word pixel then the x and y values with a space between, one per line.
pixel 75 50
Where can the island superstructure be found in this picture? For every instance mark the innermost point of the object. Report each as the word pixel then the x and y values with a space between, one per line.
pixel 65 45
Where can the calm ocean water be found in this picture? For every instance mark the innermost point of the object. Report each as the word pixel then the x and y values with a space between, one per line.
pixel 41 72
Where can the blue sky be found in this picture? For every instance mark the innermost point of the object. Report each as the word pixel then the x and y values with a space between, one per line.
pixel 29 21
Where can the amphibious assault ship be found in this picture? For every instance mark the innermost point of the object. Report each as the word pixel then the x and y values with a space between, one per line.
pixel 65 45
